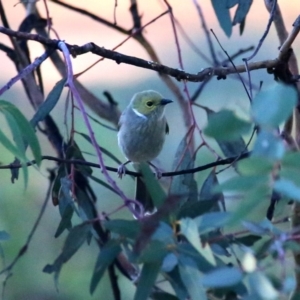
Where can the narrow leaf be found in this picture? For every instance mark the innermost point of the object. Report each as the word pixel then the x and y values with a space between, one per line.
pixel 46 107
pixel 273 106
pixel 184 185
pixel 226 126
pixel 191 278
pixel 188 228
pixel 222 277
pixel 147 280
pixel 106 256
pixel 223 15
pixel 157 193
pixel 25 127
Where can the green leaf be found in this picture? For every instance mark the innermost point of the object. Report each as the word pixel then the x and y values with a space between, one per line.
pixel 160 295
pixel 191 278
pixel 129 229
pixel 25 127
pixel 255 165
pixel 106 256
pixel 222 277
pixel 288 189
pixel 189 228
pixel 177 284
pixel 184 185
pixel 261 286
pixel 46 107
pixel 256 199
pixel 242 11
pixel 207 191
pixel 76 237
pixel 169 263
pixel 20 144
pixel 157 193
pixel 154 252
pixel 243 183
pixel 212 220
pixel 223 15
pixel 225 125
pixel 194 209
pixel 231 3
pixel 232 148
pixel 275 105
pixel 164 233
pixel 4 236
pixel 203 260
pixel 147 280
pixel 247 240
pixel 268 145
pixel 66 206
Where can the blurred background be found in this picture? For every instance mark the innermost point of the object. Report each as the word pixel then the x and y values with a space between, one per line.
pixel 19 207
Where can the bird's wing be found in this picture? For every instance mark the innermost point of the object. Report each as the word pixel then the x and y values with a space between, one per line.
pixel 167 128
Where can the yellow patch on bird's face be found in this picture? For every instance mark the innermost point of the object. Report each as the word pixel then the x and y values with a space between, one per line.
pixel 146 103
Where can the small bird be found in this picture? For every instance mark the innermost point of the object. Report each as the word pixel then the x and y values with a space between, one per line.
pixel 142 130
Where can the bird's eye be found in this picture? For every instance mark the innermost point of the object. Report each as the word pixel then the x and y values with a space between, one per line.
pixel 149 103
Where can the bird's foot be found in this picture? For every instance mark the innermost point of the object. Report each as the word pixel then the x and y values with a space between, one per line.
pixel 121 170
pixel 158 172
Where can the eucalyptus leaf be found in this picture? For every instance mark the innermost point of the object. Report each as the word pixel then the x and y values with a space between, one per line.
pixel 46 107
pixel 272 107
pixel 191 278
pixel 226 126
pixel 183 185
pixel 222 277
pixel 106 256
pixel 223 15
pixel 146 281
pixel 242 11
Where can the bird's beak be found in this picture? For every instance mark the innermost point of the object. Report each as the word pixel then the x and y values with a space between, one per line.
pixel 165 101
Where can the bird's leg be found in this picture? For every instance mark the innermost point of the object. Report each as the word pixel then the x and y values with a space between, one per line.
pixel 158 172
pixel 122 169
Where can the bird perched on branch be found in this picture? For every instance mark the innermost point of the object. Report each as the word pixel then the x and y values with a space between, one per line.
pixel 142 130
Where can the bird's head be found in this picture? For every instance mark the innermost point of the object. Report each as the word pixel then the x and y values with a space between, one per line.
pixel 149 103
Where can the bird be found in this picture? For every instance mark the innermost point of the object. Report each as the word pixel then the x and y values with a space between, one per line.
pixel 142 131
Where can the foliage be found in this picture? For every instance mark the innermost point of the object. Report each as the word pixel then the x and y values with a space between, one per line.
pixel 195 245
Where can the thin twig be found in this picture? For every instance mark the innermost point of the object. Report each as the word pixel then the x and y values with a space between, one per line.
pixel 30 68
pixel 162 69
pixel 220 162
pixel 79 101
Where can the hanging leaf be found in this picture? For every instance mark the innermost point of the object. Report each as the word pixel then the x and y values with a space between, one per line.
pixel 242 11
pixel 4 236
pixel 223 15
pixel 184 186
pixel 46 107
pixel 226 126
pixel 128 229
pixel 222 277
pixel 146 281
pixel 261 286
pixel 207 192
pixel 157 193
pixel 268 145
pixel 191 278
pixel 106 256
pixel 25 127
pixel 66 206
pixel 272 107
pixel 76 237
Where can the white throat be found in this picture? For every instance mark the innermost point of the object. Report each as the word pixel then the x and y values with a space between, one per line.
pixel 139 114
